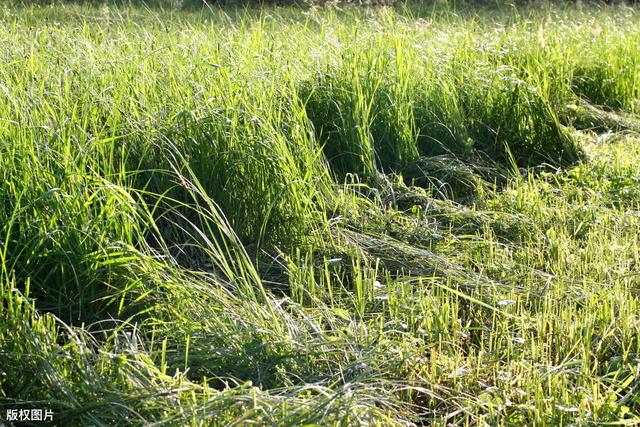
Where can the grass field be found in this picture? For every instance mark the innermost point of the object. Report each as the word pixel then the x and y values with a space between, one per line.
pixel 408 215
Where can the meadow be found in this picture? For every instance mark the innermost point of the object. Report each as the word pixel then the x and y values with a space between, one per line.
pixel 418 214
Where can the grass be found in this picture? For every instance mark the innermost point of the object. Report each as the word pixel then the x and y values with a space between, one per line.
pixel 409 215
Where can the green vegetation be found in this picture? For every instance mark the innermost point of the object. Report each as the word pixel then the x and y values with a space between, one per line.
pixel 418 215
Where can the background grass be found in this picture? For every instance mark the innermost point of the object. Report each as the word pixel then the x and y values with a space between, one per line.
pixel 330 216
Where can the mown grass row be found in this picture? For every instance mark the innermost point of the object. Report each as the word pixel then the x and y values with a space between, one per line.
pixel 326 216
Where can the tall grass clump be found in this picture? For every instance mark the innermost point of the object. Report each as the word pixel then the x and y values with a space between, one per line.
pixel 256 157
pixel 607 74
pixel 383 107
pixel 362 113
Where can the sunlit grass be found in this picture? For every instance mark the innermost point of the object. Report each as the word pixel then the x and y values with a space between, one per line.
pixel 329 216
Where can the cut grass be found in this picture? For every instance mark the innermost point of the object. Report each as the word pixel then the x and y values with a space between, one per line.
pixel 329 216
